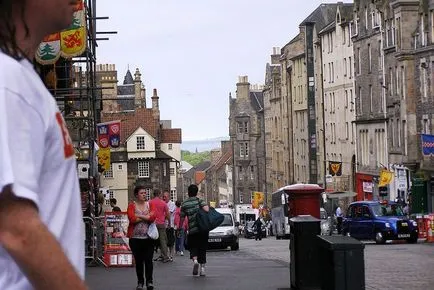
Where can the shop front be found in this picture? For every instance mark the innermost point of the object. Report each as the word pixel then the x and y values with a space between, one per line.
pixel 364 186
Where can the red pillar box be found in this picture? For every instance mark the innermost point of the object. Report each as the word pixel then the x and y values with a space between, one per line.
pixel 304 199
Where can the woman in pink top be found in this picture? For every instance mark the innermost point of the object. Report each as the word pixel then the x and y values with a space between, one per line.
pixel 180 230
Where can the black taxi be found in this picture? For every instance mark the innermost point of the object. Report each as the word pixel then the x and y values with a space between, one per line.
pixel 379 221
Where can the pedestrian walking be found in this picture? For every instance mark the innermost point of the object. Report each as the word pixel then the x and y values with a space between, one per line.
pixel 180 229
pixel 197 240
pixel 41 219
pixel 161 212
pixel 339 218
pixel 257 225
pixel 170 225
pixel 140 216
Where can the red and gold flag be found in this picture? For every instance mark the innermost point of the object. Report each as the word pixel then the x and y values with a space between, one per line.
pixel 68 43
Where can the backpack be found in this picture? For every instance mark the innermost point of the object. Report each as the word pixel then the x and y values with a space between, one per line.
pixel 207 221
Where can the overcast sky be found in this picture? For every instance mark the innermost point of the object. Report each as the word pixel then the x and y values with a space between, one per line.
pixel 193 51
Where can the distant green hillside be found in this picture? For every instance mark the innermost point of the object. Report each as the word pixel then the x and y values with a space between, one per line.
pixel 195 158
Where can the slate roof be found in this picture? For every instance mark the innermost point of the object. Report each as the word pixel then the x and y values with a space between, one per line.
pixel 171 136
pixel 346 12
pixel 200 167
pixel 128 79
pixel 131 121
pixel 294 39
pixel 330 27
pixel 127 89
pixel 124 90
pixel 257 101
pixel 185 165
pixel 223 160
pixel 321 16
pixel 161 155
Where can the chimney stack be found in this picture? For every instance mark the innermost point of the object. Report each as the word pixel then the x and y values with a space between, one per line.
pixel 275 57
pixel 155 105
pixel 137 76
pixel 243 86
pixel 139 102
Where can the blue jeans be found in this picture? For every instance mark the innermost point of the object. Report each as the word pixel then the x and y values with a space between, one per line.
pixel 180 235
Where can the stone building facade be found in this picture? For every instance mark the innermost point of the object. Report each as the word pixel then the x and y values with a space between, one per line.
pixel 407 42
pixel 294 53
pixel 276 138
pixel 423 67
pixel 287 113
pixel 247 135
pixel 337 103
pixel 217 185
pixel 370 89
pixel 150 150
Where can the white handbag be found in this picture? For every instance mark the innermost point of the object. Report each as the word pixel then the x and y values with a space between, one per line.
pixel 153 231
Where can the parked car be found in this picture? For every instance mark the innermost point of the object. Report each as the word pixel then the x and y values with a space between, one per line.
pixel 226 234
pixel 379 221
pixel 250 230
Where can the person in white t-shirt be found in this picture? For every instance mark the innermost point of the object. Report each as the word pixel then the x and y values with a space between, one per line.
pixel 41 226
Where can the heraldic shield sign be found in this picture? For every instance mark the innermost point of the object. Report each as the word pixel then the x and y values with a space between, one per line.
pixel 68 43
pixel 335 168
pixel 108 137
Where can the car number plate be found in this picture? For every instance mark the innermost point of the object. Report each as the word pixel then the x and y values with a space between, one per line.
pixel 404 224
pixel 403 235
pixel 214 240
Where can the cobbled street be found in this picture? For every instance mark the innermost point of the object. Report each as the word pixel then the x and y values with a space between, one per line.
pixel 389 266
pixel 265 265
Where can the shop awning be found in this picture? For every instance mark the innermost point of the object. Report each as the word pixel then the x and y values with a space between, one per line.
pixel 341 194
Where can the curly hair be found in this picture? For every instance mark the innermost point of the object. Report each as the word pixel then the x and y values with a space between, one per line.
pixel 8 41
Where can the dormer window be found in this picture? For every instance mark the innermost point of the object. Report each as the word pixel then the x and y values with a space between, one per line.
pixel 140 141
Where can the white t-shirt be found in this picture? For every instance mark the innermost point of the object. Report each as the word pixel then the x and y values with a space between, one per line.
pixel 172 208
pixel 37 158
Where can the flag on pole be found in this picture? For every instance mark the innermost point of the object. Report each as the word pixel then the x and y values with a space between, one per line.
pixel 104 158
pixel 427 144
pixel 109 134
pixel 257 199
pixel 386 177
pixel 108 137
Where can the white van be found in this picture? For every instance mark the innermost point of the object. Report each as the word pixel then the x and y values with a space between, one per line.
pixel 227 234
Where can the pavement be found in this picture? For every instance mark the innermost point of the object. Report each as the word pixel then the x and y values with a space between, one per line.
pixel 265 265
pixel 390 266
pixel 225 269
